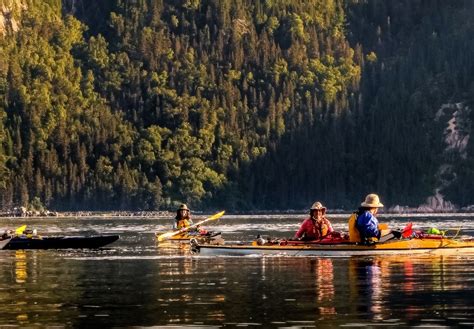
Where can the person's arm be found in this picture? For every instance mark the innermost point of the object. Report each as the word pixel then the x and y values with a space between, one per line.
pixel 301 231
pixel 373 227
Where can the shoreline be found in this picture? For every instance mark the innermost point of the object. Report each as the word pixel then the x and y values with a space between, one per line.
pixel 199 214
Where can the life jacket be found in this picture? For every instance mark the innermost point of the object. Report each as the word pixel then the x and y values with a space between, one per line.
pixel 324 229
pixel 182 223
pixel 354 235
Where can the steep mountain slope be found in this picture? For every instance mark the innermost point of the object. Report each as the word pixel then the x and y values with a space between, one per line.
pixel 236 104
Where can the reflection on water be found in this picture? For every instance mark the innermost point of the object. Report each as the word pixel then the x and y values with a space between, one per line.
pixel 134 283
pixel 411 287
pixel 325 286
pixel 20 277
pixel 20 266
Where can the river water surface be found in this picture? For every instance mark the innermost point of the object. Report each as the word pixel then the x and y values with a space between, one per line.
pixel 132 282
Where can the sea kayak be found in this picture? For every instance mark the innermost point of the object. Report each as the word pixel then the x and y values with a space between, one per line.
pixel 60 242
pixel 182 241
pixel 430 245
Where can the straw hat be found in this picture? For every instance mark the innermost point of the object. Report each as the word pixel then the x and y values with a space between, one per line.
pixel 183 207
pixel 318 206
pixel 372 201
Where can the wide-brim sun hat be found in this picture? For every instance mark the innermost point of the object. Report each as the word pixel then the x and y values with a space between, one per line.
pixel 183 207
pixel 372 201
pixel 318 206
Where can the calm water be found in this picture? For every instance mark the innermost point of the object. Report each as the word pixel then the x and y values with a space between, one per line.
pixel 134 283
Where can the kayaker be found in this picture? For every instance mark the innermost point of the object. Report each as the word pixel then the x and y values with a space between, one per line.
pixel 183 218
pixel 317 226
pixel 364 226
pixel 366 223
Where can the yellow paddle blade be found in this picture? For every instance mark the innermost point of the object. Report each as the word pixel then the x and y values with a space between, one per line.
pixel 20 230
pixel 383 226
pixel 216 216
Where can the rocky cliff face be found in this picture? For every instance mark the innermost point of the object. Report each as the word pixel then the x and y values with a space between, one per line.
pixel 70 6
pixel 10 13
pixel 456 136
pixel 457 133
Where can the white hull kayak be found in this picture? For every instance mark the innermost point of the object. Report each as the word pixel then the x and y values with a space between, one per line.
pixel 442 246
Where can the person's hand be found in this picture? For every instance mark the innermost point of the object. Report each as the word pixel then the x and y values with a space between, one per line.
pixel 397 234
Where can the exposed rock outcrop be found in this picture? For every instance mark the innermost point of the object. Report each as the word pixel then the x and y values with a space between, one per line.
pixel 456 138
pixel 10 12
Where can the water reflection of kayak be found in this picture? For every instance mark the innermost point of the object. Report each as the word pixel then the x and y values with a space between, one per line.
pixel 182 240
pixel 434 245
pixel 60 242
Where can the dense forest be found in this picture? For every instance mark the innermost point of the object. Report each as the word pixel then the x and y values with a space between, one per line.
pixel 240 105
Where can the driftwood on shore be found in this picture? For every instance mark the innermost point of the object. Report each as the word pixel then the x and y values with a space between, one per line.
pixel 23 212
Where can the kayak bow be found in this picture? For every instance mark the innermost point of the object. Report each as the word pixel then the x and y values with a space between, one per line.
pixel 4 242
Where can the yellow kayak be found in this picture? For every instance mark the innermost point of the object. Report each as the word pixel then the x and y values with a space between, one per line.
pixel 434 245
pixel 182 240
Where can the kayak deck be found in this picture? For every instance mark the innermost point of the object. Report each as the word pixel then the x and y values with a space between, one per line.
pixel 182 241
pixel 410 246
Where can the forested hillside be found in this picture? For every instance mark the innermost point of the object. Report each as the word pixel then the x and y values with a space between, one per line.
pixel 234 104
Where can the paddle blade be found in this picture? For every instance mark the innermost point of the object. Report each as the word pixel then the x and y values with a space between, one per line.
pixel 217 216
pixel 20 230
pixel 407 231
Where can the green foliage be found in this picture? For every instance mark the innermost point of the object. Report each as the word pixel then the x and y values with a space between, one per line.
pixel 371 57
pixel 139 105
pixel 36 205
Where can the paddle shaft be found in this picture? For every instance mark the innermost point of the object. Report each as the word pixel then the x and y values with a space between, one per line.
pixel 171 234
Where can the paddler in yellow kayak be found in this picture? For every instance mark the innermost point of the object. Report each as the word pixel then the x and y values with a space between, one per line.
pixel 366 227
pixel 183 220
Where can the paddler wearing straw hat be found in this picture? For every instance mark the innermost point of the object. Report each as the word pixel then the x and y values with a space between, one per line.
pixel 317 226
pixel 183 220
pixel 366 223
pixel 183 217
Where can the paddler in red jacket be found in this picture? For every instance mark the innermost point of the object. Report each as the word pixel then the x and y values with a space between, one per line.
pixel 317 226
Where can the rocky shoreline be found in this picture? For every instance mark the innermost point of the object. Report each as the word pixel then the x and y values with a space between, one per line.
pixel 23 213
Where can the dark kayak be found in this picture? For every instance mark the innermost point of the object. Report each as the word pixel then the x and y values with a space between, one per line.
pixel 60 242
pixel 4 241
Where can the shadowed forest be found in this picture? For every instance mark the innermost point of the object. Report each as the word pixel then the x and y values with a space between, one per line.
pixel 139 105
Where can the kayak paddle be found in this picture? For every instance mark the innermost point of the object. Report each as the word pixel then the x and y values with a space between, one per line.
pixel 168 235
pixel 20 230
